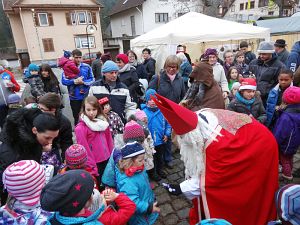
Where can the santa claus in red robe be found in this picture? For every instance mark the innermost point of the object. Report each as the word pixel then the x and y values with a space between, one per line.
pixel 231 164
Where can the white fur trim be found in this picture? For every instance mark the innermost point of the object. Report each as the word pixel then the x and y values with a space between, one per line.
pixel 97 124
pixel 248 87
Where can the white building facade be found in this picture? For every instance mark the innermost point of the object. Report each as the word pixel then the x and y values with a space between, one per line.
pixel 146 15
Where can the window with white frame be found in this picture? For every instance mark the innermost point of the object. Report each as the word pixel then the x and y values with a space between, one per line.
pixel 82 18
pixel 81 42
pixel 73 18
pixel 89 18
pixel 161 17
pixel 43 19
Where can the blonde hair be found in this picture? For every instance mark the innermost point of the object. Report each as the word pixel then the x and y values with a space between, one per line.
pixel 126 163
pixel 172 59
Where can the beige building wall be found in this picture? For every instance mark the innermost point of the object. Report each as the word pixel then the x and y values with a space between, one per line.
pixel 18 32
pixel 61 33
pixel 69 2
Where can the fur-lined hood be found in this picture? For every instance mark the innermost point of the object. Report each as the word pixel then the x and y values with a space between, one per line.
pixel 17 129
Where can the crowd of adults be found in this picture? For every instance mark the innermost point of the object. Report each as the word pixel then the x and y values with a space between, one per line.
pixel 36 129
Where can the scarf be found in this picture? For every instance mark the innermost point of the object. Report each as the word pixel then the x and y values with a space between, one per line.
pixel 125 68
pixel 172 77
pixel 134 63
pixel 134 169
pixel 91 220
pixel 246 102
pixel 98 124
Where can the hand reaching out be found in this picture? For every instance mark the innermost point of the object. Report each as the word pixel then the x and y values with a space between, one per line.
pixel 110 195
pixel 155 208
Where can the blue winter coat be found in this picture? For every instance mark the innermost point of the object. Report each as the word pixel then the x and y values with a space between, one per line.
pixel 293 60
pixel 138 189
pixel 185 70
pixel 271 104
pixel 287 130
pixel 157 125
pixel 88 79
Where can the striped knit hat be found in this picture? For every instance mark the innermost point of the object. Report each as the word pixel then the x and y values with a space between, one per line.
pixel 287 202
pixel 131 150
pixel 24 180
pixel 76 156
pixel 133 132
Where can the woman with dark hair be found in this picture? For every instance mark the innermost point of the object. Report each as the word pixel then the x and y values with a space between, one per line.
pixel 140 69
pixel 128 76
pixel 51 83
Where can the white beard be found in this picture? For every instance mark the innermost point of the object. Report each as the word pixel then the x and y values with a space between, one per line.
pixel 191 149
pixel 192 144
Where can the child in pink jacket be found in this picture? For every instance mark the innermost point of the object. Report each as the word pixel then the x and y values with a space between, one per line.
pixel 93 133
pixel 71 71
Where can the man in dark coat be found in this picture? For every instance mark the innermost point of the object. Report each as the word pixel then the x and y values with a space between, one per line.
pixel 249 56
pixel 96 66
pixel 266 69
pixel 281 51
pixel 149 63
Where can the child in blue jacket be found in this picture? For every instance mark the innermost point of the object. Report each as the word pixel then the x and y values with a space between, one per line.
pixel 159 128
pixel 133 181
pixel 285 80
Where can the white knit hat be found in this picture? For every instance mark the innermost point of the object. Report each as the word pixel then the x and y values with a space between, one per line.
pixel 24 180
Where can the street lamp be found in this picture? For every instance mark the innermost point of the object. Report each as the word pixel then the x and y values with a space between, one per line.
pixel 37 33
pixel 90 29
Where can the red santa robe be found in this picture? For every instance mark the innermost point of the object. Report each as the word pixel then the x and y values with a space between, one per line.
pixel 240 174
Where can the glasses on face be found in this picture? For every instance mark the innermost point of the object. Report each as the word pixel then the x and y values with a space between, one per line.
pixel 172 67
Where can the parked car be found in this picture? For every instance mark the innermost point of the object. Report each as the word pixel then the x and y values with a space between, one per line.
pixel 87 59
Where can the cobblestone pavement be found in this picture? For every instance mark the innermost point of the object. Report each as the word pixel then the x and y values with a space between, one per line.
pixel 174 209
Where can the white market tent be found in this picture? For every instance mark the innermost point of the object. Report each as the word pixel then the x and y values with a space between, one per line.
pixel 195 28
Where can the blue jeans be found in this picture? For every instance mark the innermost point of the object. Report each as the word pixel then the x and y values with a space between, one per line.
pixel 168 152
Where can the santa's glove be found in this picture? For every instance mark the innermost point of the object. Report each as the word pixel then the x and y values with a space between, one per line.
pixel 173 189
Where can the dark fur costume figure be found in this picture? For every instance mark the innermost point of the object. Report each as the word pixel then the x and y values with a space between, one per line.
pixel 204 91
pixel 18 141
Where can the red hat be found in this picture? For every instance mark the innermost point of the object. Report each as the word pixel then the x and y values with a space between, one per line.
pixel 248 84
pixel 122 57
pixel 181 119
pixel 291 95
pixel 103 101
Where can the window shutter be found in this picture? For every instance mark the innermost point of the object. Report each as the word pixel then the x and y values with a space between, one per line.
pixel 94 17
pixel 51 45
pixel 50 19
pixel 45 45
pixel 68 18
pixel 36 20
pixel 48 45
